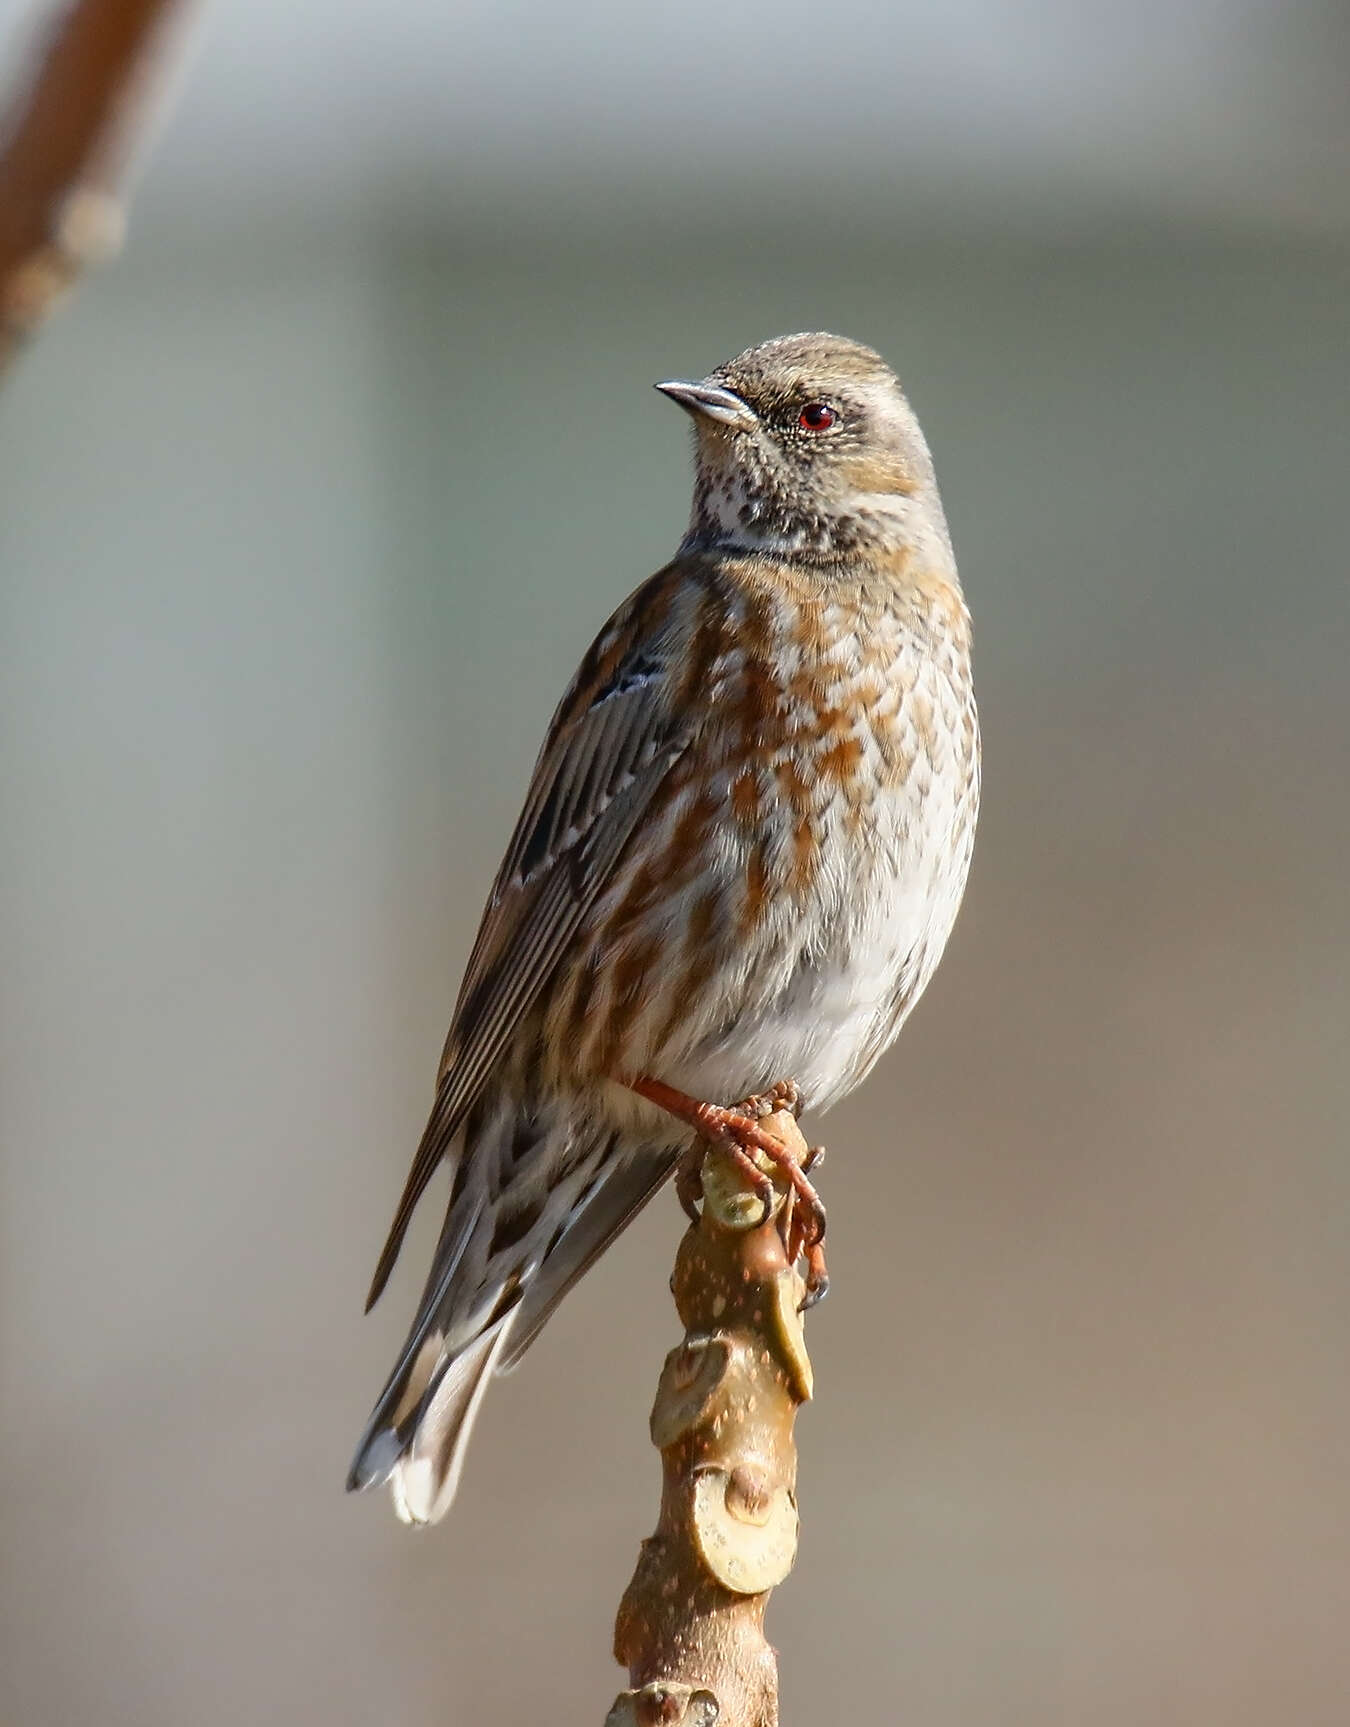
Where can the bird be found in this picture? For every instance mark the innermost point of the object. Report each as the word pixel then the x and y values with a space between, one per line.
pixel 738 863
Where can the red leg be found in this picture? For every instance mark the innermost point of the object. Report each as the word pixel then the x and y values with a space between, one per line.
pixel 715 1124
pixel 739 1134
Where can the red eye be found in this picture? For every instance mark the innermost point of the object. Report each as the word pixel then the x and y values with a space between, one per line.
pixel 816 417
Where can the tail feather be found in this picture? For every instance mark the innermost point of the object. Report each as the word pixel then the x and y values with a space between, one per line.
pixel 608 1210
pixel 386 1431
pixel 425 1477
pixel 536 1198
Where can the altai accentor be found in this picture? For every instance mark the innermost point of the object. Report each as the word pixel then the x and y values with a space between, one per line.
pixel 738 863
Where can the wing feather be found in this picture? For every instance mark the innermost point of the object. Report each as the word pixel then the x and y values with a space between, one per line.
pixel 607 751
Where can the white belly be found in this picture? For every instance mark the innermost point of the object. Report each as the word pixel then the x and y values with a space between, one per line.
pixel 834 887
pixel 832 984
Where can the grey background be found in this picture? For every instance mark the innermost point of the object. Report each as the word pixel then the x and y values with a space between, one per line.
pixel 307 509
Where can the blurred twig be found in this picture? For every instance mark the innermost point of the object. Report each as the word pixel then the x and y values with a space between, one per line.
pixel 691 1625
pixel 65 147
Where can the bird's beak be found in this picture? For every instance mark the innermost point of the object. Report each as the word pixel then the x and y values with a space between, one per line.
pixel 710 401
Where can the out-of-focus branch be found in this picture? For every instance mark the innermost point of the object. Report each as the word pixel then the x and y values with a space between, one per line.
pixel 65 148
pixel 691 1625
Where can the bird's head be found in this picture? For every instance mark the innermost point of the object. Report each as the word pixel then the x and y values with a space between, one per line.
pixel 807 446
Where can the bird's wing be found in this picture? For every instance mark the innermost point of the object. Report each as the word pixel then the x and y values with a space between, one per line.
pixel 613 739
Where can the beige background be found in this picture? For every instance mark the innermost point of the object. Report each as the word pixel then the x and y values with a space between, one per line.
pixel 303 527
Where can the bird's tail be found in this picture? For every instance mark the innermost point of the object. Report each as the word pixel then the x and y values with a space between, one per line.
pixel 419 1445
pixel 535 1201
pixel 420 1425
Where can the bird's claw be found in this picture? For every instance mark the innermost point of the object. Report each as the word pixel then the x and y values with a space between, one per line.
pixel 738 1133
pixel 689 1180
pixel 785 1094
pixel 817 1278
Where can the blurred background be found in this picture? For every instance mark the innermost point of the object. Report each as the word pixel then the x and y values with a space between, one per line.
pixel 308 507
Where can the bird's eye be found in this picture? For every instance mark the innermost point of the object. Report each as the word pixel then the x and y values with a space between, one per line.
pixel 816 417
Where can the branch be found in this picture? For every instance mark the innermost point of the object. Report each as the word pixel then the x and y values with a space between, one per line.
pixel 68 142
pixel 691 1625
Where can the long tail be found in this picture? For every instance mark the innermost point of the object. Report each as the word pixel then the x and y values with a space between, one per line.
pixel 536 1199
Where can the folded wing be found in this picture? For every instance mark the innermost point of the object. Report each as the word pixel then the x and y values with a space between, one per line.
pixel 612 741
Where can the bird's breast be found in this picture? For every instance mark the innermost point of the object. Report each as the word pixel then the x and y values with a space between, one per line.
pixel 843 737
pixel 795 880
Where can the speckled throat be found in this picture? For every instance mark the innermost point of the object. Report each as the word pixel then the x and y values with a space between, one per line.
pixel 744 501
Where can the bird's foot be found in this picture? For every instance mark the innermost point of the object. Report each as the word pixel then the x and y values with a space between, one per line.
pixel 738 1133
pixel 817 1277
pixel 786 1094
pixel 689 1180
pixel 806 1228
